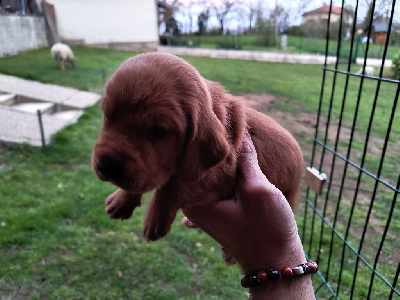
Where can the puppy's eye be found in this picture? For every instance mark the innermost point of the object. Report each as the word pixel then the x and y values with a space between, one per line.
pixel 158 131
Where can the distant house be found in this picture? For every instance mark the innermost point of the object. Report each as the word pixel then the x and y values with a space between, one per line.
pixel 322 14
pixel 380 33
pixel 118 24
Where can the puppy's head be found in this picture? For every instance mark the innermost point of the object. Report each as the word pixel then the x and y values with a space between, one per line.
pixel 158 122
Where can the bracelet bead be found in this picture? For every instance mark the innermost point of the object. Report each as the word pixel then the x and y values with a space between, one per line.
pixel 262 276
pixel 287 271
pixel 298 271
pixel 246 282
pixel 312 267
pixel 273 274
pixel 305 269
pixel 253 280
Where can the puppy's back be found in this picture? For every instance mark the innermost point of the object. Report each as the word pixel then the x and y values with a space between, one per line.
pixel 279 154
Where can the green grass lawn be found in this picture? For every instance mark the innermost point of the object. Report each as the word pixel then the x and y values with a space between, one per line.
pixel 88 74
pixel 56 241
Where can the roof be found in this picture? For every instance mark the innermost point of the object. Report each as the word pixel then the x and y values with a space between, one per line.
pixel 324 9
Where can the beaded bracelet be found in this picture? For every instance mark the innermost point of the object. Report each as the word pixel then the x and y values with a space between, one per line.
pixel 273 274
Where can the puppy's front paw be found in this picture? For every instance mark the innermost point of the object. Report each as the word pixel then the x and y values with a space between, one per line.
pixel 121 205
pixel 154 230
pixel 117 210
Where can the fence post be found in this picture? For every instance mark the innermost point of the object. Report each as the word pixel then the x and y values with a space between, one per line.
pixel 356 50
pixel 39 113
pixel 103 75
pixel 239 38
pixel 284 42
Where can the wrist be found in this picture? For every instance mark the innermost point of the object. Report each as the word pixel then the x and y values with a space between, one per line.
pixel 291 288
pixel 296 287
pixel 292 254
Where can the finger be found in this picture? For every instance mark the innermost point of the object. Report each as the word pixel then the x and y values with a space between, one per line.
pixel 255 193
pixel 247 159
pixel 188 223
pixel 214 217
pixel 251 178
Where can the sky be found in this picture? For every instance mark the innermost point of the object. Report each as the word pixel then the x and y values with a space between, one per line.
pixel 292 6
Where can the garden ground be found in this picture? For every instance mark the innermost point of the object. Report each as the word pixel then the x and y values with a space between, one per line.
pixel 56 241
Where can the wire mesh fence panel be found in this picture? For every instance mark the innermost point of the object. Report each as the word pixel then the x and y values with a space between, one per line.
pixel 352 229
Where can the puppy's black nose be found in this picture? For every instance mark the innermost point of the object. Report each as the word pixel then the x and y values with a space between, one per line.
pixel 102 168
pixel 107 170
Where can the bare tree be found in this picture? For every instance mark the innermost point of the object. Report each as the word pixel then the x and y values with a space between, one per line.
pixel 250 10
pixel 223 11
pixel 166 11
pixel 382 9
pixel 280 18
pixel 260 13
pixel 175 4
pixel 187 10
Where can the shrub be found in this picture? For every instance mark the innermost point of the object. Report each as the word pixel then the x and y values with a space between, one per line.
pixel 295 30
pixel 396 65
pixel 266 32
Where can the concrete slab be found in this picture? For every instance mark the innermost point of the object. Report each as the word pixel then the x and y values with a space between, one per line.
pixel 250 55
pixel 21 127
pixel 68 115
pixel 6 98
pixel 265 56
pixel 82 99
pixel 32 107
pixel 374 62
pixel 33 89
pixel 19 123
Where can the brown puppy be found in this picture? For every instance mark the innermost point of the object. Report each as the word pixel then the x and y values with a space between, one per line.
pixel 169 129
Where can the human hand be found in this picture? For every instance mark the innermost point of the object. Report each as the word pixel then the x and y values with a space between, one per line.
pixel 258 226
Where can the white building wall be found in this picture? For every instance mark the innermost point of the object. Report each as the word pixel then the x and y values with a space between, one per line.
pixel 334 18
pixel 105 22
pixel 318 17
pixel 21 33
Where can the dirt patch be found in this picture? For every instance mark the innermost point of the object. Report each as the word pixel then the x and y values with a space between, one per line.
pixel 259 100
pixel 301 124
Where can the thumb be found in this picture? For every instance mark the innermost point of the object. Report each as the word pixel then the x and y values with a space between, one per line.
pixel 250 174
pixel 256 193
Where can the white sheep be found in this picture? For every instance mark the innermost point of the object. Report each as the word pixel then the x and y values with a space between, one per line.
pixel 368 71
pixel 63 53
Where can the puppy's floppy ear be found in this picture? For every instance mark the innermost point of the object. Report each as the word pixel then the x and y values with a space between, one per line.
pixel 206 146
